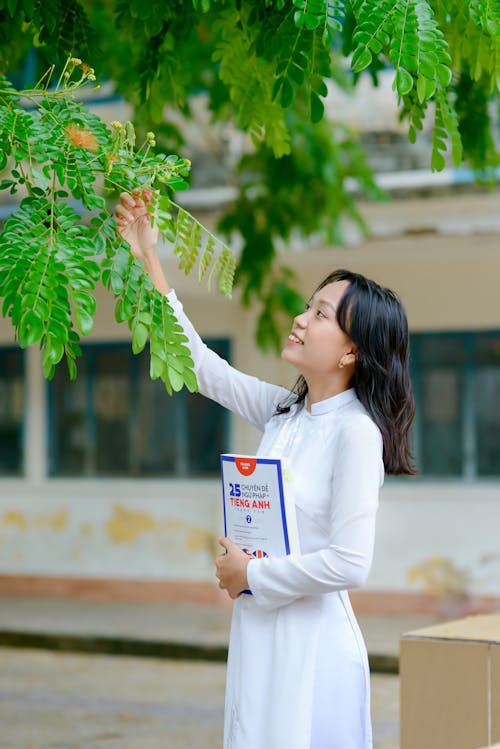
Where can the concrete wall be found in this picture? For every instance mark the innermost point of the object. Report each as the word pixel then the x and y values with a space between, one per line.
pixel 434 536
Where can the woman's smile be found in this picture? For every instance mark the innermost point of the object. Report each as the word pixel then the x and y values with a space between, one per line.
pixel 293 340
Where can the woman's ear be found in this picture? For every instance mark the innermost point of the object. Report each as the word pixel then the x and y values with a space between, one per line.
pixel 349 359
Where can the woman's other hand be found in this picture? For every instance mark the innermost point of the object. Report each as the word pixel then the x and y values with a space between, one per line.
pixel 232 568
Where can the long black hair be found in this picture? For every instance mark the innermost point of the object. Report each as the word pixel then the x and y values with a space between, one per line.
pixel 374 320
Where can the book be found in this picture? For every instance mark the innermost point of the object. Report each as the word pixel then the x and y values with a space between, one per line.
pixel 259 510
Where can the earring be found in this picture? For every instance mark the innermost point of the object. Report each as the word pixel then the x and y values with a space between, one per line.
pixel 341 365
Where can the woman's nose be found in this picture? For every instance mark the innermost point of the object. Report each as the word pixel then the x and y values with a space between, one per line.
pixel 301 320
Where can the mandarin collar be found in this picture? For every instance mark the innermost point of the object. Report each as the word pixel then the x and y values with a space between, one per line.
pixel 332 404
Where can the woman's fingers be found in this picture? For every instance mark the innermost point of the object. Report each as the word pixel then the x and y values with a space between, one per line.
pixel 127 199
pixel 137 198
pixel 123 214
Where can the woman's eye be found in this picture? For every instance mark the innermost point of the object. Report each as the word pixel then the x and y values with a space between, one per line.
pixel 319 313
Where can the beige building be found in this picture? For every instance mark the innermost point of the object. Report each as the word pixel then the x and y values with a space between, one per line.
pixel 109 485
pixel 107 479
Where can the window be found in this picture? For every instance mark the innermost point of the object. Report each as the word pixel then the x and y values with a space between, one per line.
pixel 456 377
pixel 11 411
pixel 115 421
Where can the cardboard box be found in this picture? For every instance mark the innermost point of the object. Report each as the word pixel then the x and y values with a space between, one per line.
pixel 450 685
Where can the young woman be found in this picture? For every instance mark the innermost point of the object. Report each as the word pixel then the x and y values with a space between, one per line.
pixel 297 673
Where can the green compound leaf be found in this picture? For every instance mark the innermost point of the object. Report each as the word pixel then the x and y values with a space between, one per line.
pixel 193 243
pixel 244 68
pixel 410 33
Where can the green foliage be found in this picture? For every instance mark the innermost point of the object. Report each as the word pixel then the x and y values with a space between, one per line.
pixel 193 242
pixel 474 123
pixel 319 168
pixel 47 275
pixel 264 67
pixel 249 79
pixel 406 32
pixel 303 62
pixel 314 14
pixel 425 41
pixel 296 42
pixel 149 316
pixel 256 57
pixel 52 256
pixel 59 28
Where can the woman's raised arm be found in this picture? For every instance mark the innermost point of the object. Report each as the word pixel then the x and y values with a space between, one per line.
pixel 243 394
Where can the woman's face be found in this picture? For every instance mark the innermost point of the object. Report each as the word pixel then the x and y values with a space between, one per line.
pixel 317 344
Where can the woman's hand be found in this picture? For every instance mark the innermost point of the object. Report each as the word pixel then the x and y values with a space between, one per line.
pixel 133 222
pixel 232 568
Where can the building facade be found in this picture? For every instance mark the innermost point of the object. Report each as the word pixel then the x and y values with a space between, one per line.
pixel 107 481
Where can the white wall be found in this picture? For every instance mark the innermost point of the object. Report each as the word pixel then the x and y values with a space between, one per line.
pixel 441 527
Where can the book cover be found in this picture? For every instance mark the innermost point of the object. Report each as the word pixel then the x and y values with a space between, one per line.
pixel 259 510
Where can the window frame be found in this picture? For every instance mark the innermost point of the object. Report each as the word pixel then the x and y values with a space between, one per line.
pixel 21 446
pixel 90 349
pixel 468 413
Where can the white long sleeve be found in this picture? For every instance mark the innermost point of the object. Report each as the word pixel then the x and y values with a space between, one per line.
pixel 345 561
pixel 243 394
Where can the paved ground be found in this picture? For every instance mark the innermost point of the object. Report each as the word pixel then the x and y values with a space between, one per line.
pixel 65 700
pixel 71 701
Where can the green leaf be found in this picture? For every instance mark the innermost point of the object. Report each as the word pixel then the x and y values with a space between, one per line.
pixel 116 282
pixel 83 299
pixel 317 108
pixel 30 329
pixel 72 371
pixel 48 369
pixel 307 20
pixel 421 88
pixel 139 337
pixel 176 379
pixel 190 381
pixel 444 75
pixel 438 161
pixel 403 82
pixel 100 243
pixel 84 320
pixel 156 367
pixel 287 93
pixel 53 350
pixel 361 58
